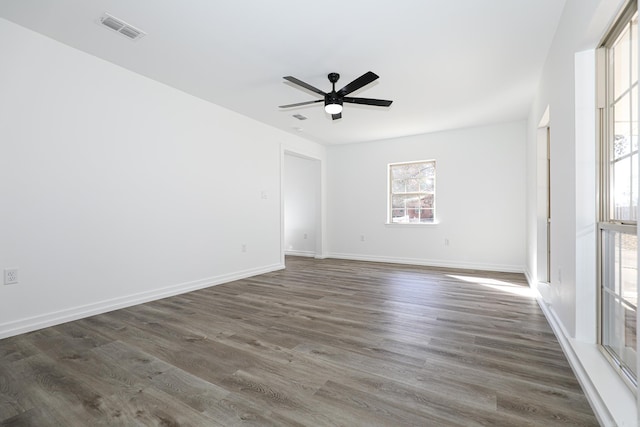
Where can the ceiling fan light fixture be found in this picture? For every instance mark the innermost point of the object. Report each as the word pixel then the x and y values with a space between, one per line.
pixel 333 108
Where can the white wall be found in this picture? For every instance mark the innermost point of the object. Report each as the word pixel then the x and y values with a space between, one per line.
pixel 301 204
pixel 480 199
pixel 117 189
pixel 581 27
pixel 567 88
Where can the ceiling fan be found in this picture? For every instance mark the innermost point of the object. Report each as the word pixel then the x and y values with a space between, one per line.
pixel 333 100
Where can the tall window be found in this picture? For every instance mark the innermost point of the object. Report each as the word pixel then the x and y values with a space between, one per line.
pixel 412 192
pixel 619 197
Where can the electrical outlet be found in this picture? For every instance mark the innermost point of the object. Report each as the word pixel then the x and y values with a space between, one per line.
pixel 446 242
pixel 305 236
pixel 362 238
pixel 244 248
pixel 10 276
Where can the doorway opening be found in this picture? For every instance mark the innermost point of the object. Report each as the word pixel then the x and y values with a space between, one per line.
pixel 301 206
pixel 543 200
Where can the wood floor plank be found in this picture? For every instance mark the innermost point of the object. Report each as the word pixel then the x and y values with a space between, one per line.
pixel 320 343
pixel 14 398
pixel 408 407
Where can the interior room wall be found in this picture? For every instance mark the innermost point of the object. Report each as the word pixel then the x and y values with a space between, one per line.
pixel 480 199
pixel 567 88
pixel 117 189
pixel 582 25
pixel 301 204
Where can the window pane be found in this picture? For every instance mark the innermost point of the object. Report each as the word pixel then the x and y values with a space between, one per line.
pixel 398 186
pixel 628 268
pixel 609 259
pixel 621 64
pixel 634 188
pixel 426 201
pixel 413 185
pixel 429 185
pixel 634 50
pixel 416 170
pixel 399 172
pixel 622 127
pixel 610 330
pixel 398 215
pixel 426 215
pixel 622 209
pixel 619 296
pixel 619 267
pixel 619 335
pixel 621 140
pixel 430 170
pixel 398 201
pixel 629 348
pixel 634 119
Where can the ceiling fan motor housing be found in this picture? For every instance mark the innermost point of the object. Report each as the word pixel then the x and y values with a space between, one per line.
pixel 332 98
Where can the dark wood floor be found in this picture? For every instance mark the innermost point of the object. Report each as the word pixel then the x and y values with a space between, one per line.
pixel 324 342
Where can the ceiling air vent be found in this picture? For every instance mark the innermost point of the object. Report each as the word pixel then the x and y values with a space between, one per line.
pixel 118 25
pixel 299 117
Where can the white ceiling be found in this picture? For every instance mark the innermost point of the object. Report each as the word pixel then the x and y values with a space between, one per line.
pixel 445 64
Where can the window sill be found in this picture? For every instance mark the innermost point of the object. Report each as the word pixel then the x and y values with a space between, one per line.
pixel 414 224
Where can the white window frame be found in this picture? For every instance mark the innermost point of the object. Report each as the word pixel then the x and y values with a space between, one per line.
pixel 613 226
pixel 416 194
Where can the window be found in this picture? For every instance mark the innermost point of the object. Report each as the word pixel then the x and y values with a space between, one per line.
pixel 412 192
pixel 618 242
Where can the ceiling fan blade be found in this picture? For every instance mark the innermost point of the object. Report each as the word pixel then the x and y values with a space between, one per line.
pixel 336 116
pixel 367 101
pixel 300 104
pixel 304 85
pixel 361 81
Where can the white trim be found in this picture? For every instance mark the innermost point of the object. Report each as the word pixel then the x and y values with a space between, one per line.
pixel 527 275
pixel 281 171
pixel 310 254
pixel 412 224
pixel 55 318
pixel 430 262
pixel 579 354
pixel 544 120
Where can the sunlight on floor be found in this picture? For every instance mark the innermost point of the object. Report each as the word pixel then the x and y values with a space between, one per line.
pixel 499 285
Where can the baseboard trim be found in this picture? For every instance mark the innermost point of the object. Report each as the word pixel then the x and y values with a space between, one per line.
pixel 55 318
pixel 527 275
pixel 430 263
pixel 309 254
pixel 595 400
